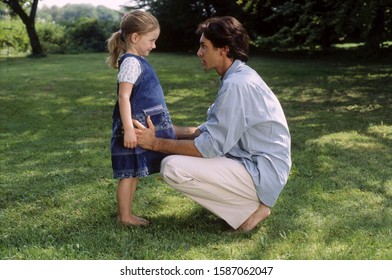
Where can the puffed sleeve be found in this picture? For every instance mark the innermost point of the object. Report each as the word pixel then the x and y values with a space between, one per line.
pixel 130 71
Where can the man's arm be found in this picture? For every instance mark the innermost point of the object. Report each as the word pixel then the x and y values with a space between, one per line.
pixel 175 147
pixel 146 139
pixel 186 132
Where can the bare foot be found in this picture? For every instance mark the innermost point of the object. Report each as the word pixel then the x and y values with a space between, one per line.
pixel 133 220
pixel 258 216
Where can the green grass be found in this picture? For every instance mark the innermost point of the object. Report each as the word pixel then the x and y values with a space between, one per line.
pixel 57 198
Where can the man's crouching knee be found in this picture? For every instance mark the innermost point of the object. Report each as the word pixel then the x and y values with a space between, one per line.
pixel 170 170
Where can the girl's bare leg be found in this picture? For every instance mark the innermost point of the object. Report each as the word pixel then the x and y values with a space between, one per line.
pixel 125 193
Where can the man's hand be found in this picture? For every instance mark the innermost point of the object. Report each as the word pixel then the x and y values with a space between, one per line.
pixel 146 139
pixel 145 136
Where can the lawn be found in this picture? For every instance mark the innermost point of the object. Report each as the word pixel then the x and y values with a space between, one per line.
pixel 57 197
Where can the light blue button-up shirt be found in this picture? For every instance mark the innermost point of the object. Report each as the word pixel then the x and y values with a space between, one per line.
pixel 247 123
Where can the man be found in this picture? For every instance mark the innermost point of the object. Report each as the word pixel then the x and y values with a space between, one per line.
pixel 238 161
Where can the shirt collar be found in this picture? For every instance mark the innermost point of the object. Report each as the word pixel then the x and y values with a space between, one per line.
pixel 232 69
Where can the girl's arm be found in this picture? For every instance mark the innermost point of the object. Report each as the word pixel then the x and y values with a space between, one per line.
pixel 124 95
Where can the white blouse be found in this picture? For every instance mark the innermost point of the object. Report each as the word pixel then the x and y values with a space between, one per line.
pixel 130 71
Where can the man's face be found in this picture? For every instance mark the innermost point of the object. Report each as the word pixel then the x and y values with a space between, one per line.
pixel 211 57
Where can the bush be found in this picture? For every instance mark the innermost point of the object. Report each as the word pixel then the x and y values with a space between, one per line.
pixel 13 36
pixel 88 34
pixel 52 37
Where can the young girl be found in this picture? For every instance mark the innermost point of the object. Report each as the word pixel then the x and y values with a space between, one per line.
pixel 139 95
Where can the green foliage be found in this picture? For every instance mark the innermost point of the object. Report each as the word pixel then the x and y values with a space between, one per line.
pixel 69 13
pixel 13 36
pixel 84 28
pixel 310 23
pixel 57 198
pixel 52 37
pixel 272 24
pixel 26 11
pixel 70 29
pixel 88 34
pixel 179 19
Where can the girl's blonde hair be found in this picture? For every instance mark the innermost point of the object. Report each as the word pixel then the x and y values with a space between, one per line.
pixel 137 21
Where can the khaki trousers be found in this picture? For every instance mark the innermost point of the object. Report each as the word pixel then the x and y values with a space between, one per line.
pixel 221 185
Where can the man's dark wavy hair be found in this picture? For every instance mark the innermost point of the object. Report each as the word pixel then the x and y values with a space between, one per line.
pixel 226 31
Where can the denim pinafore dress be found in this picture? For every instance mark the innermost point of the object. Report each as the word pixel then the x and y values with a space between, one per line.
pixel 147 99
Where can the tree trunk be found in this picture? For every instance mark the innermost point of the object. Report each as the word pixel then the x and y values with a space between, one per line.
pixel 36 48
pixel 376 30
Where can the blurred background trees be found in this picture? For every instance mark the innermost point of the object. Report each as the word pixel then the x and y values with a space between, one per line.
pixel 27 11
pixel 69 29
pixel 272 24
pixel 311 23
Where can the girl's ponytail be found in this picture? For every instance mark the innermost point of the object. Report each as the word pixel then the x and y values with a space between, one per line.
pixel 116 47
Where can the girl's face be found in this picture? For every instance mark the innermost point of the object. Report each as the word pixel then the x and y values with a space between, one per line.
pixel 142 45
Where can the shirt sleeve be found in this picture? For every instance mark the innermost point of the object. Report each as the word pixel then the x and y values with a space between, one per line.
pixel 130 71
pixel 226 123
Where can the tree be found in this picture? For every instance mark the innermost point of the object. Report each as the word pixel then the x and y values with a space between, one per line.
pixel 88 34
pixel 13 37
pixel 375 16
pixel 82 27
pixel 179 19
pixel 29 21
pixel 296 23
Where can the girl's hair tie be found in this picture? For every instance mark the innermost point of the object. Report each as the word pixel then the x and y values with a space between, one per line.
pixel 121 35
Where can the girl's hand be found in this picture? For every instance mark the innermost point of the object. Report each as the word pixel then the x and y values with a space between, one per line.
pixel 130 140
